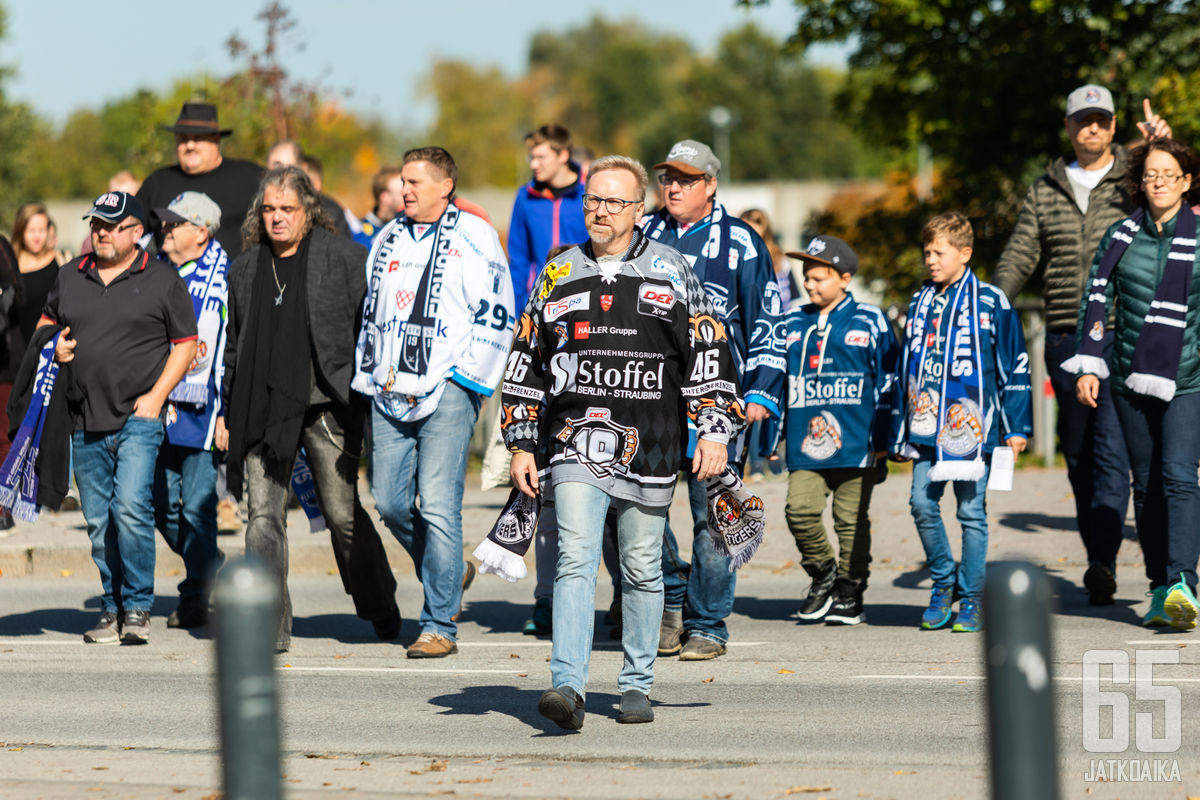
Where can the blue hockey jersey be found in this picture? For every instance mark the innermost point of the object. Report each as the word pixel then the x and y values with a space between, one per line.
pixel 743 290
pixel 841 374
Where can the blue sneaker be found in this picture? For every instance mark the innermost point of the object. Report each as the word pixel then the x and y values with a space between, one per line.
pixel 542 622
pixel 1156 617
pixel 1181 607
pixel 938 613
pixel 970 616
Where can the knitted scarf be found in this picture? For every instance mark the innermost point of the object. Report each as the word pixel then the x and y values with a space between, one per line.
pixel 735 518
pixel 205 279
pixel 960 423
pixel 1160 341
pixel 503 551
pixel 716 249
pixel 18 475
pixel 306 492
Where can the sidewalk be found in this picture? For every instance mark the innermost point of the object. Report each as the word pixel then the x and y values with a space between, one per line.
pixel 1035 521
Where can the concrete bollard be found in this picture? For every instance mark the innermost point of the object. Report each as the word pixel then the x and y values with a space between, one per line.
pixel 246 613
pixel 1020 683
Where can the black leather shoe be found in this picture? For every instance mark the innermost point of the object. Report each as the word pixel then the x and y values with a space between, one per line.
pixel 189 614
pixel 635 707
pixel 562 706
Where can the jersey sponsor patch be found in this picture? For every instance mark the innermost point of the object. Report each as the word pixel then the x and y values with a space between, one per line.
pixel 858 339
pixel 655 299
pixel 606 301
pixel 574 302
pixel 582 330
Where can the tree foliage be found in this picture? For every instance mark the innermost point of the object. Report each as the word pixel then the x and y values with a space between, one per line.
pixel 622 88
pixel 17 126
pixel 983 83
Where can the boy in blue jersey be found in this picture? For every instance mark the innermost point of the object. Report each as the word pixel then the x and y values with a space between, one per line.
pixel 963 390
pixel 841 360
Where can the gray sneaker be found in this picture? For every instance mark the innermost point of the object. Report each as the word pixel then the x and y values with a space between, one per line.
pixel 136 627
pixel 107 630
pixel 634 708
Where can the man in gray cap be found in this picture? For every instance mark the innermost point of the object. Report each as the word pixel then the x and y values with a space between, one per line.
pixel 229 182
pixel 129 334
pixel 1065 214
pixel 734 265
pixel 185 478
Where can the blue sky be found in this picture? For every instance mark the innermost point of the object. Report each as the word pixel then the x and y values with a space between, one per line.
pixel 70 54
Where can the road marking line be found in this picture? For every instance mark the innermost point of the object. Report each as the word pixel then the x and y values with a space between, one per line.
pixel 1063 678
pixel 1164 640
pixel 547 643
pixel 395 670
pixel 10 643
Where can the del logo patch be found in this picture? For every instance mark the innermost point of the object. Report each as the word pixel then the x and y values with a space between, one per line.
pixel 858 338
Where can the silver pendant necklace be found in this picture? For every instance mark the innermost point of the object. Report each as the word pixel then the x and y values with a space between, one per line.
pixel 278 297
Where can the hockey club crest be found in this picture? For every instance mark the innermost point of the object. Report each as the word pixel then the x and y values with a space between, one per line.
pixel 1097 331
pixel 824 437
pixel 963 432
pixel 606 301
pixel 924 420
pixel 599 443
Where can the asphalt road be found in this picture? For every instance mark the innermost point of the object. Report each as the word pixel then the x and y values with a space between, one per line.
pixel 880 710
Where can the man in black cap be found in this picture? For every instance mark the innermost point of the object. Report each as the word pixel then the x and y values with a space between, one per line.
pixel 129 334
pixel 231 183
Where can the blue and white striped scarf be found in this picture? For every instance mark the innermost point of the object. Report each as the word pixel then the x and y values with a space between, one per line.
pixel 18 475
pixel 1160 343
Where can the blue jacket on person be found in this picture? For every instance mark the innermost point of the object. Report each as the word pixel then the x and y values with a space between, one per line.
pixel 542 219
pixel 841 372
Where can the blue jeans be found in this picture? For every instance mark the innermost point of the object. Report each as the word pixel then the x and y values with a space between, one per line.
pixel 704 590
pixel 1164 448
pixel 925 502
pixel 115 473
pixel 427 459
pixel 581 510
pixel 1097 460
pixel 185 512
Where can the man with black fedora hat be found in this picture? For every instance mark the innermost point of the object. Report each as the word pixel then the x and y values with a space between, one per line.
pixel 129 334
pixel 231 183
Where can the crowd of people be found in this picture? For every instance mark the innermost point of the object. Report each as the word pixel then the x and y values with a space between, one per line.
pixel 233 334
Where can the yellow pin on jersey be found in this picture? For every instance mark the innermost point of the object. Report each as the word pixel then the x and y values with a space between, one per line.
pixel 553 273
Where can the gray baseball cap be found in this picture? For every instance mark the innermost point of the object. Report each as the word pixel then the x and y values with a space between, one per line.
pixel 1090 98
pixel 194 207
pixel 693 158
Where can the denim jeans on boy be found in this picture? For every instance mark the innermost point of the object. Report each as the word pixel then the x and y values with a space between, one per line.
pixel 925 502
pixel 115 475
pixel 1164 448
pixel 581 511
pixel 185 512
pixel 427 459
pixel 703 590
pixel 1097 460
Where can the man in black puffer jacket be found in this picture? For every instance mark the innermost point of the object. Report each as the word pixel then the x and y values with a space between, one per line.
pixel 1065 214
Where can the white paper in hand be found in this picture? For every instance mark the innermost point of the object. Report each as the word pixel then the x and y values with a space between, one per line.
pixel 1001 477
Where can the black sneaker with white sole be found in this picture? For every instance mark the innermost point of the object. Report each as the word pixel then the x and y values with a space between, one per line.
pixel 847 607
pixel 820 593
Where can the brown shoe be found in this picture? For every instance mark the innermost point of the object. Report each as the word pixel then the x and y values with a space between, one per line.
pixel 432 645
pixel 229 518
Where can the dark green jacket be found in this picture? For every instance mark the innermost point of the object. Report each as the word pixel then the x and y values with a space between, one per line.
pixel 1133 285
pixel 1051 230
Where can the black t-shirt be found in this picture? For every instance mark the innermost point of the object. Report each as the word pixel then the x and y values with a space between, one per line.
pixel 124 332
pixel 36 288
pixel 232 186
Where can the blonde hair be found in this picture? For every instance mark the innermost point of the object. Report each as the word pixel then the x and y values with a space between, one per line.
pixel 631 165
pixel 953 226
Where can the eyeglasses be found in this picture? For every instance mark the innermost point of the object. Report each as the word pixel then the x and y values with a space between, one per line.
pixel 1169 178
pixel 665 180
pixel 97 226
pixel 170 226
pixel 613 205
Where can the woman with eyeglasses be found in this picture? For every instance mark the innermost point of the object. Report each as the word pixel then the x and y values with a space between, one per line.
pixel 1146 267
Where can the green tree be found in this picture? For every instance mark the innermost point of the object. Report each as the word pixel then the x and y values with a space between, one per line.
pixel 983 83
pixel 17 127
